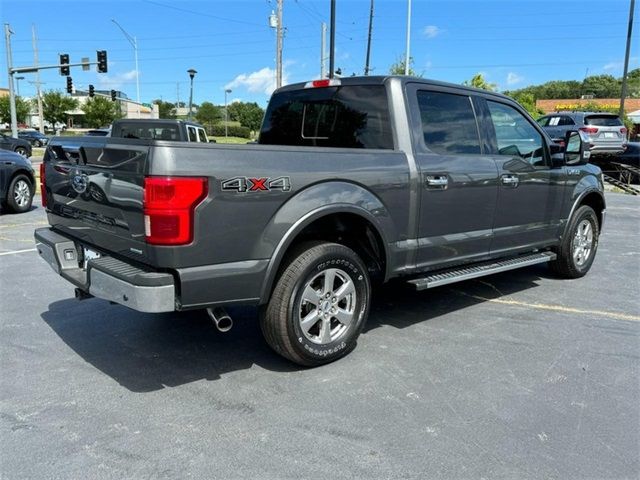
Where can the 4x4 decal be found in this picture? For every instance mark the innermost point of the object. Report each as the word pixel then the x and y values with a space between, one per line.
pixel 248 184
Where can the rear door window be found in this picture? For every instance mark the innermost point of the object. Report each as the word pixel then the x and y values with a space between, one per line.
pixel 344 117
pixel 603 120
pixel 448 123
pixel 564 120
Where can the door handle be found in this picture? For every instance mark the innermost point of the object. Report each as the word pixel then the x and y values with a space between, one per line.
pixel 437 181
pixel 510 180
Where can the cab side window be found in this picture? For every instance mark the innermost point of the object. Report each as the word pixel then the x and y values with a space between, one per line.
pixel 566 121
pixel 515 136
pixel 448 123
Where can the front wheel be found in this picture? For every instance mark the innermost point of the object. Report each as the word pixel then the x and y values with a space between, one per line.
pixel 319 305
pixel 578 248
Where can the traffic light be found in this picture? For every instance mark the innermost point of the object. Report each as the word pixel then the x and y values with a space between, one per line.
pixel 113 95
pixel 69 85
pixel 92 91
pixel 64 64
pixel 102 61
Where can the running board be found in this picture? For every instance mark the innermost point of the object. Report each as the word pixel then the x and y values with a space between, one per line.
pixel 467 273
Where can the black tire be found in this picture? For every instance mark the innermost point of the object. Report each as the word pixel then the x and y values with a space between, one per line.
pixel 21 151
pixel 573 261
pixel 20 194
pixel 306 272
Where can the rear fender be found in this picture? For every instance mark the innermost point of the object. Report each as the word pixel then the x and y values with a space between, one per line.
pixel 310 205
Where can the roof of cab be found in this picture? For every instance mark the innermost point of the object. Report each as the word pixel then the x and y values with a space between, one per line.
pixel 382 79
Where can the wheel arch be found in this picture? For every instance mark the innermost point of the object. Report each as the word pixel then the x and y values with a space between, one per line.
pixel 357 228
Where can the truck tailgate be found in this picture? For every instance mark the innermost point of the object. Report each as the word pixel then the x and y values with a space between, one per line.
pixel 94 192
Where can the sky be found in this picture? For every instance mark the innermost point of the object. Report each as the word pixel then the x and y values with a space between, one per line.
pixel 513 43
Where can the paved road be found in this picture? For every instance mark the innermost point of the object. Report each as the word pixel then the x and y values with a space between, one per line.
pixel 519 375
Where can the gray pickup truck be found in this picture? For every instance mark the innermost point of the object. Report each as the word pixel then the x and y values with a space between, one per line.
pixel 353 181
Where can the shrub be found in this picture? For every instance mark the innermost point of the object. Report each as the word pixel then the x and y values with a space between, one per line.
pixel 232 131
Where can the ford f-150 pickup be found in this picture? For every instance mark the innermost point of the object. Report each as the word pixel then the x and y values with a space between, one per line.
pixel 353 181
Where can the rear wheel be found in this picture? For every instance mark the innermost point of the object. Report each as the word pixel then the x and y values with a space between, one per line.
pixel 578 248
pixel 319 305
pixel 21 151
pixel 20 194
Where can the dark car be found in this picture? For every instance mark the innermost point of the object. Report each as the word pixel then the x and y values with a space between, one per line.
pixel 607 134
pixel 34 137
pixel 18 145
pixel 17 182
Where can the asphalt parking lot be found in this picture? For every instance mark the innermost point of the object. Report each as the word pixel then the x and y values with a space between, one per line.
pixel 518 375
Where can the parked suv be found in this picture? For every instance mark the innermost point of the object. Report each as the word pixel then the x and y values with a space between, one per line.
pixel 607 134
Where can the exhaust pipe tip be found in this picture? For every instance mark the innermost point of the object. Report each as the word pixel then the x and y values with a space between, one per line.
pixel 220 318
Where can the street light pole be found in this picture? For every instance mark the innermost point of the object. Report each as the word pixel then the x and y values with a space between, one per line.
pixel 134 43
pixel 192 73
pixel 226 117
pixel 407 58
pixel 12 96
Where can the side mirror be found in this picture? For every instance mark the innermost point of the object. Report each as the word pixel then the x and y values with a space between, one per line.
pixel 577 148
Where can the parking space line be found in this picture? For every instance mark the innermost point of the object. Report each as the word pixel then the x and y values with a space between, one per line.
pixel 557 308
pixel 18 251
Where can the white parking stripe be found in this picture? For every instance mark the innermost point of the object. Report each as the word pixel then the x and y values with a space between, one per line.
pixel 18 251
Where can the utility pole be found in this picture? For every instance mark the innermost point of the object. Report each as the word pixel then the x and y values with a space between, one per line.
pixel 323 50
pixel 35 63
pixel 12 95
pixel 332 39
pixel 366 64
pixel 623 94
pixel 408 56
pixel 279 33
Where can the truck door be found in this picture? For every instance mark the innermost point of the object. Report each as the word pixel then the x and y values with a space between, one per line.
pixel 459 183
pixel 530 192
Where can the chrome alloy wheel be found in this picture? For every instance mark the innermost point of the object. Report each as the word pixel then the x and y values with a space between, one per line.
pixel 21 193
pixel 327 306
pixel 582 243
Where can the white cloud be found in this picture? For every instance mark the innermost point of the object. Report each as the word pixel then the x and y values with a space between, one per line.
pixel 619 65
pixel 432 31
pixel 514 78
pixel 115 82
pixel 261 81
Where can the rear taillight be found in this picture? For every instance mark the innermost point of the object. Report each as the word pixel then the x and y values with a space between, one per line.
pixel 623 130
pixel 43 190
pixel 169 204
pixel 589 130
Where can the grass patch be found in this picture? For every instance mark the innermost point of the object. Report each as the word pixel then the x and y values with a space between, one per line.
pixel 236 140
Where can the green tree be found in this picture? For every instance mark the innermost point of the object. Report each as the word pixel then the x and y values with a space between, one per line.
pixel 208 114
pixel 478 81
pixel 633 83
pixel 248 114
pixel 602 86
pixel 100 111
pixel 398 67
pixel 166 109
pixel 528 101
pixel 23 107
pixel 55 106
